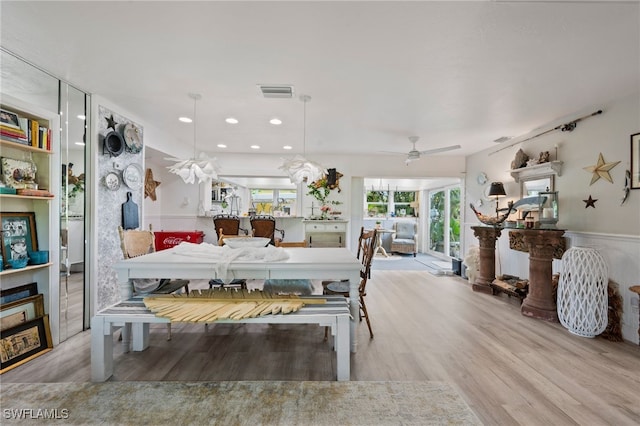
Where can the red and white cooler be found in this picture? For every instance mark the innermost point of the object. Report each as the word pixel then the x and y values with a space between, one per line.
pixel 167 239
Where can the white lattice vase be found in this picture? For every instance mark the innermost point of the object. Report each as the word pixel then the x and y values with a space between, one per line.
pixel 582 292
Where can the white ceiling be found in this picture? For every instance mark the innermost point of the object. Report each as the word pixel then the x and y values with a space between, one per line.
pixel 378 72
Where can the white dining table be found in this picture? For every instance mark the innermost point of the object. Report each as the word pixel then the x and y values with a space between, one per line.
pixel 310 263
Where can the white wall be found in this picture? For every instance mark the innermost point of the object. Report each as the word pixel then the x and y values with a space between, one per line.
pixel 612 228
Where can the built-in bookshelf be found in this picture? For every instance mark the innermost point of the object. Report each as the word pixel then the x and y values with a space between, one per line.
pixel 36 197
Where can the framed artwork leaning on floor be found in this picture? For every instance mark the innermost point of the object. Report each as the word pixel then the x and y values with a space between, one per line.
pixel 24 342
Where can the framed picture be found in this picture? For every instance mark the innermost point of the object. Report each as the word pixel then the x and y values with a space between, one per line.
pixel 24 342
pixel 18 174
pixel 9 118
pixel 20 311
pixel 18 234
pixel 17 293
pixel 635 161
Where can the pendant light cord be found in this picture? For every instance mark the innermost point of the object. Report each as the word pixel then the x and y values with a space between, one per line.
pixel 195 98
pixel 304 99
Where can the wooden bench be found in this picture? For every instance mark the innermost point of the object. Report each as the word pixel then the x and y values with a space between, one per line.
pixel 134 314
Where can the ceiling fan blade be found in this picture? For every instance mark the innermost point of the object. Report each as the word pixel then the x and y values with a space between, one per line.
pixel 437 150
pixel 391 152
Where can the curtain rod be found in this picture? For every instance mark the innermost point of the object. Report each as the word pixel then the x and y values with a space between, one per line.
pixel 567 127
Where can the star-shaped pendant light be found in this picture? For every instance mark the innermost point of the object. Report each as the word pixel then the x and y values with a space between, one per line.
pixel 300 169
pixel 201 167
pixel 601 170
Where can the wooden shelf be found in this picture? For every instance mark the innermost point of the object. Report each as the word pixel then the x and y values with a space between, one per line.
pixel 25 269
pixel 27 197
pixel 548 168
pixel 16 145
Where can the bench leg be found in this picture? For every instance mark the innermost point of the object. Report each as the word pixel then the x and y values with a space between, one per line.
pixel 101 349
pixel 140 334
pixel 343 354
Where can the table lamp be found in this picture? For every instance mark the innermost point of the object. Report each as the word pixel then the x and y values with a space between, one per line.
pixel 497 190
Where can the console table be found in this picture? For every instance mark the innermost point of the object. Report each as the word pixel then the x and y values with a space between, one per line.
pixel 325 233
pixel 542 245
pixel 487 236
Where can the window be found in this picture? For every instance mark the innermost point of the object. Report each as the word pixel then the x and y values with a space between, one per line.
pixel 266 201
pixel 377 203
pixel 402 203
pixel 397 203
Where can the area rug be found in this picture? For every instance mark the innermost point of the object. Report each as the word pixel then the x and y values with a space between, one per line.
pixel 235 403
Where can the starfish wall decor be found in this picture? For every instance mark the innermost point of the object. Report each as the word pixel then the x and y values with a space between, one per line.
pixel 111 122
pixel 601 170
pixel 590 202
pixel 150 185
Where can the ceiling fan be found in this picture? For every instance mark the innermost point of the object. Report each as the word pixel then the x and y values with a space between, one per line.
pixel 414 154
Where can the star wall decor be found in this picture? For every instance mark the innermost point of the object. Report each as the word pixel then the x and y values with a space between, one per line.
pixel 601 170
pixel 111 122
pixel 590 202
pixel 150 185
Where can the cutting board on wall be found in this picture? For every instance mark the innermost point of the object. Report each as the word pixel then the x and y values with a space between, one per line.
pixel 130 219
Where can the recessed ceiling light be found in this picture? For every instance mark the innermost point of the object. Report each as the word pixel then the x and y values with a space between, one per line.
pixel 255 146
pixel 221 145
pixel 231 120
pixel 287 147
pixel 275 121
pixel 81 117
pixel 185 120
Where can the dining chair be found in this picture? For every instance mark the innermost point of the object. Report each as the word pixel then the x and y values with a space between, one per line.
pixel 366 249
pixel 302 287
pixel 227 225
pixel 265 226
pixel 134 243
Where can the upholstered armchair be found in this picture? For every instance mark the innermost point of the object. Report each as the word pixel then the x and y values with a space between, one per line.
pixel 405 237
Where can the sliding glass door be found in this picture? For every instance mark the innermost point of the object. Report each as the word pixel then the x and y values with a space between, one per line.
pixel 444 221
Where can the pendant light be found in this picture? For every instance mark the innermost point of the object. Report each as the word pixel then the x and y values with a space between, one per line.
pixel 202 167
pixel 299 168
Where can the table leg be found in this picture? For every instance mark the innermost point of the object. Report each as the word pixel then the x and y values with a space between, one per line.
pixel 101 349
pixel 354 308
pixel 379 247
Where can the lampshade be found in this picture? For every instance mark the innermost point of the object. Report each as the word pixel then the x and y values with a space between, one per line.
pixel 300 169
pixel 202 167
pixel 497 190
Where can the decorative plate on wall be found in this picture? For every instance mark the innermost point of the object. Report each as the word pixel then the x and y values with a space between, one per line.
pixel 132 138
pixel 132 176
pixel 112 181
pixel 113 143
pixel 481 178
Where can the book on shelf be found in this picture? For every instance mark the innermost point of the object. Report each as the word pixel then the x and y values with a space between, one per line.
pixel 10 138
pixel 25 131
pixel 34 192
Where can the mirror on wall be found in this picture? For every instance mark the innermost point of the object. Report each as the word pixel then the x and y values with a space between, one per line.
pixel 534 185
pixel 74 110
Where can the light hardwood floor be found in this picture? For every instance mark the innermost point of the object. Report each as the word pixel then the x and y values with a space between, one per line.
pixel 510 369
